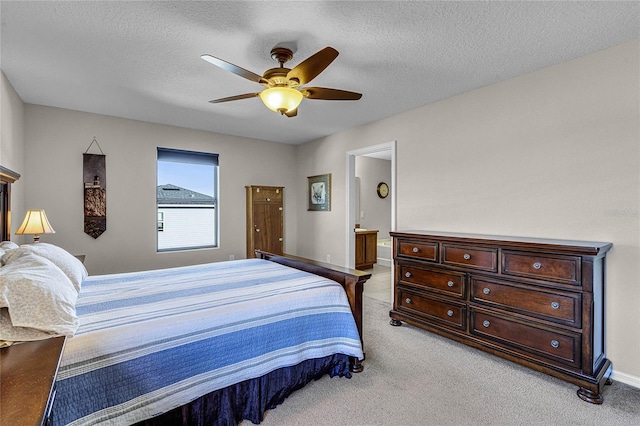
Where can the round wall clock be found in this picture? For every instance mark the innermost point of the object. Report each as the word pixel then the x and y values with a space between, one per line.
pixel 383 190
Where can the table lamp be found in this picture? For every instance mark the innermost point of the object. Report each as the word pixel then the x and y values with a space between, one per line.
pixel 35 223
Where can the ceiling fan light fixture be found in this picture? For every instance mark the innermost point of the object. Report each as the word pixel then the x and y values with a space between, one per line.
pixel 281 99
pixel 283 86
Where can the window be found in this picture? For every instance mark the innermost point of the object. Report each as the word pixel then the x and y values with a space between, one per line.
pixel 187 200
pixel 160 221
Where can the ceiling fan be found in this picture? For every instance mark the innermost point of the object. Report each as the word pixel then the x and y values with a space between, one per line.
pixel 283 86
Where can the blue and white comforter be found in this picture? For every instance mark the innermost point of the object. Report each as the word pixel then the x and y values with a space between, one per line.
pixel 151 341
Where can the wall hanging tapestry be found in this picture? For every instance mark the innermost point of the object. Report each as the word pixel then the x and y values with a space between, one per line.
pixel 95 191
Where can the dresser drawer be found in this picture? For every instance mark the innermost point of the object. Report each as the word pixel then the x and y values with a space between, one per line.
pixel 442 311
pixel 267 194
pixel 448 283
pixel 534 341
pixel 565 269
pixel 564 307
pixel 419 250
pixel 470 257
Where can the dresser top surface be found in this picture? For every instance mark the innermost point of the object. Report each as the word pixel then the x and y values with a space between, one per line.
pixel 27 374
pixel 588 247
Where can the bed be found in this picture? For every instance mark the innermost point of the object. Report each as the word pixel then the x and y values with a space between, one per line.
pixel 203 344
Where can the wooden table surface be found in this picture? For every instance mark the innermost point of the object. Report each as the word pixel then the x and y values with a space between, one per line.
pixel 27 375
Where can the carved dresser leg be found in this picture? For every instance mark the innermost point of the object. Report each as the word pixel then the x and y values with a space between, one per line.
pixel 590 396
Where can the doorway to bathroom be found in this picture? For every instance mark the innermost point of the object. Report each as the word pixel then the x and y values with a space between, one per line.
pixel 370 205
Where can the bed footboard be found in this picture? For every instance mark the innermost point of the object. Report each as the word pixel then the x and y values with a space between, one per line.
pixel 351 280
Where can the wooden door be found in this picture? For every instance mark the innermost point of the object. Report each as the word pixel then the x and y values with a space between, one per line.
pixel 267 227
pixel 265 219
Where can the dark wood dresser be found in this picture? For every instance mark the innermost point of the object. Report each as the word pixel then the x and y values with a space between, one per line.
pixel 27 381
pixel 537 302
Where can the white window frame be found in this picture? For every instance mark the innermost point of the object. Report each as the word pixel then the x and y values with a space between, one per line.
pixel 188 157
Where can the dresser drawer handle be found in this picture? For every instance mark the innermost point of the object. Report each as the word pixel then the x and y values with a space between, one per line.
pixel 537 265
pixel 466 256
pixel 257 229
pixel 555 305
pixel 450 312
pixel 407 274
pixel 486 323
pixel 416 249
pixel 268 199
pixel 451 283
pixel 486 290
pixel 555 343
pixel 407 300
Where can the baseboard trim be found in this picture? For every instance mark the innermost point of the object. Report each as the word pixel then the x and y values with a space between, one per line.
pixel 626 379
pixel 384 262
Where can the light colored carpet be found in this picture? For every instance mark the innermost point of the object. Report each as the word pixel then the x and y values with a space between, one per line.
pixel 413 377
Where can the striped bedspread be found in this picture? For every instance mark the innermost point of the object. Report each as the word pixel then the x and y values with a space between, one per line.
pixel 152 341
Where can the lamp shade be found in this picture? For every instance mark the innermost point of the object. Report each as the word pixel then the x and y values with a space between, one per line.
pixel 35 223
pixel 281 99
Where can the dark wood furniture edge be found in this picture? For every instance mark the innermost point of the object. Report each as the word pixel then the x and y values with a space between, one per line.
pixel 590 382
pixel 589 389
pixel 8 174
pixel 366 263
pixel 351 280
pixel 7 177
pixel 27 380
pixel 588 248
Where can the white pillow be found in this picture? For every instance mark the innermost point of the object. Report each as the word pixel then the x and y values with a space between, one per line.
pixel 6 246
pixel 38 296
pixel 68 263
pixel 10 334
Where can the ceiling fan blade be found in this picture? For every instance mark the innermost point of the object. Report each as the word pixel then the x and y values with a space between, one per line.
pixel 330 94
pixel 292 113
pixel 233 68
pixel 235 98
pixel 309 69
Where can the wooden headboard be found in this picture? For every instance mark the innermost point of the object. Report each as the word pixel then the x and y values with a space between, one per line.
pixel 7 177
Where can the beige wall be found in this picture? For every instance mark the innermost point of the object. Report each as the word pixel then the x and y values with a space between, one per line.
pixel 553 153
pixel 55 140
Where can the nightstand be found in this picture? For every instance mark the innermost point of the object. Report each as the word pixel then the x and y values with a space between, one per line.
pixel 27 381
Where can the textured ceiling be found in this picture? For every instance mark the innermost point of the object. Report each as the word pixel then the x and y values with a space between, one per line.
pixel 141 60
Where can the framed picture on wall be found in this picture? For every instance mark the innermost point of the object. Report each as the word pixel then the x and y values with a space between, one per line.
pixel 319 190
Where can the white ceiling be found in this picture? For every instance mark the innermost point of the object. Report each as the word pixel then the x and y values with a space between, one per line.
pixel 141 60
